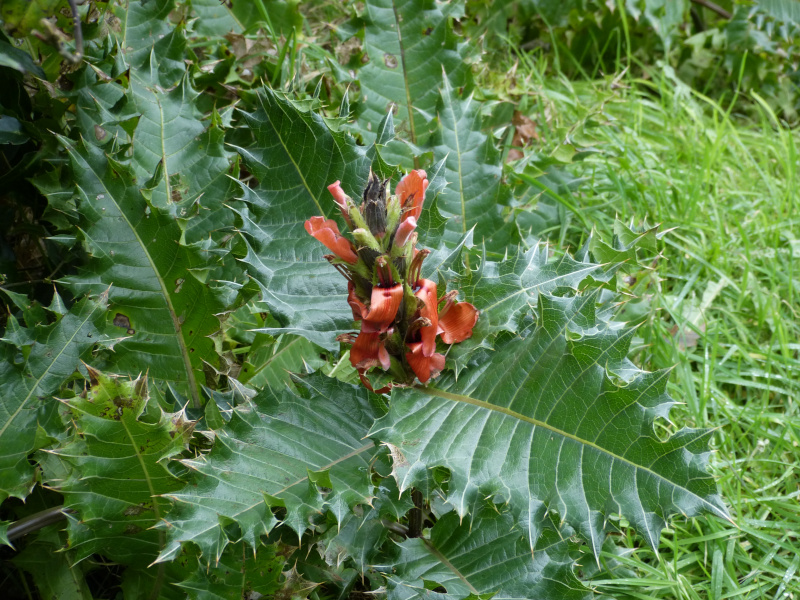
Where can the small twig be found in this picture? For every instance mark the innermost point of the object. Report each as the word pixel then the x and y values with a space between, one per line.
pixel 415 514
pixel 714 8
pixel 398 528
pixel 78 32
pixel 36 521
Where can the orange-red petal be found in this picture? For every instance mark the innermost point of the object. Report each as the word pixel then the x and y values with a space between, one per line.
pixel 411 193
pixel 369 351
pixel 429 310
pixel 457 321
pixel 356 305
pixel 424 367
pixel 326 231
pixel 383 306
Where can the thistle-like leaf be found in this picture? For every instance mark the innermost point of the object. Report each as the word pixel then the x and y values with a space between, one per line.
pixel 117 454
pixel 294 158
pixel 150 175
pixel 486 556
pixel 238 574
pixel 151 45
pixel 187 153
pixel 506 291
pixel 271 362
pixel 559 421
pixel 408 44
pixel 35 363
pixel 301 451
pixel 625 243
pixel 160 297
pixel 475 194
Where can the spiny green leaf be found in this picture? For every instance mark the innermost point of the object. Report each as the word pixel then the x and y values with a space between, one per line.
pixel 504 292
pixel 118 473
pixel 176 150
pixel 36 363
pixel 159 295
pixel 238 574
pixel 476 193
pixel 558 421
pixel 54 571
pixel 408 44
pixel 624 245
pixel 487 555
pixel 301 449
pixel 150 44
pixel 295 157
pixel 270 362
pixel 360 536
pixel 213 18
pixel 193 168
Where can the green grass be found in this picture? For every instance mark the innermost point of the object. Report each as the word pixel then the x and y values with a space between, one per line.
pixel 721 307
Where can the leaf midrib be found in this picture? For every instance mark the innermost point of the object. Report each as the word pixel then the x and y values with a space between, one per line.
pixel 409 104
pixel 164 292
pixel 537 423
pixel 297 168
pixel 443 559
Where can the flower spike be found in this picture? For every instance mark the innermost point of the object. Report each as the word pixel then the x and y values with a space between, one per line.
pixel 398 310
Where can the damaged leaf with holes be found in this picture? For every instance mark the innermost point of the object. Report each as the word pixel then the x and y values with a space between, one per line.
pixel 120 444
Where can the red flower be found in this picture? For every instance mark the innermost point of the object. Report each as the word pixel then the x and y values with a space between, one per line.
pixel 383 307
pixel 429 310
pixel 424 367
pixel 456 321
pixel 411 193
pixel 382 310
pixel 368 351
pixel 327 232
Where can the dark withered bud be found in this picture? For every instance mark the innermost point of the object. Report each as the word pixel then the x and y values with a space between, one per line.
pixel 374 205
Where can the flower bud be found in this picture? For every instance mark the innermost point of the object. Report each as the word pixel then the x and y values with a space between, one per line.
pixel 365 240
pixel 404 231
pixel 374 206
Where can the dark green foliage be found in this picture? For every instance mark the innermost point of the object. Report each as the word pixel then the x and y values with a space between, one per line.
pixel 183 393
